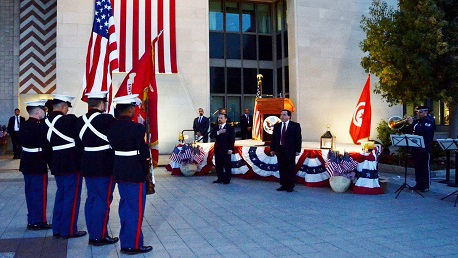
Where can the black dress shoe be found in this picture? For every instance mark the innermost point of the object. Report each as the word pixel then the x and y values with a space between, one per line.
pixel 227 182
pixel 39 226
pixel 289 190
pixel 217 181
pixel 281 188
pixel 104 241
pixel 56 235
pixel 143 249
pixel 77 234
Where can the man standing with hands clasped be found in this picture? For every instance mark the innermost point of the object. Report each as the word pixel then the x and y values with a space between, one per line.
pixel 200 126
pixel 286 144
pixel 224 136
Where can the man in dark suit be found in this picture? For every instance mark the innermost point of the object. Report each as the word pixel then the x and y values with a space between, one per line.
pixel 246 123
pixel 200 126
pixel 224 136
pixel 286 144
pixel 14 125
pixel 97 167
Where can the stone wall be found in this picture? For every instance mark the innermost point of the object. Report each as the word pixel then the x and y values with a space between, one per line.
pixel 9 56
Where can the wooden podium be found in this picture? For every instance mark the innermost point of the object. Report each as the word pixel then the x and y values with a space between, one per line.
pixel 272 107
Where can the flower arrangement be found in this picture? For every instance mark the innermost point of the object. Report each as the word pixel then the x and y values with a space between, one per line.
pixel 341 165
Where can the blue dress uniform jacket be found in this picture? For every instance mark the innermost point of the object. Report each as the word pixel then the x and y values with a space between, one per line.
pixel 34 168
pixel 65 161
pixel 65 167
pixel 126 135
pixel 33 137
pixel 95 163
pixel 97 168
pixel 130 172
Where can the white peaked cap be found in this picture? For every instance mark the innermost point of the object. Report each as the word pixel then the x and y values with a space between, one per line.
pixel 36 103
pixel 128 99
pixel 97 95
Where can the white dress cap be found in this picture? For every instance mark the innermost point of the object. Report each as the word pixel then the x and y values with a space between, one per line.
pixel 62 98
pixel 97 95
pixel 36 103
pixel 128 99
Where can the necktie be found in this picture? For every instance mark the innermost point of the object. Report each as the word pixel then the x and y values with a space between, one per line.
pixel 283 131
pixel 17 119
pixel 220 127
pixel 248 120
pixel 200 119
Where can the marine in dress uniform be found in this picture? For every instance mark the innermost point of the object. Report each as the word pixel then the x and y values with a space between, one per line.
pixel 97 167
pixel 65 164
pixel 224 136
pixel 130 169
pixel 33 165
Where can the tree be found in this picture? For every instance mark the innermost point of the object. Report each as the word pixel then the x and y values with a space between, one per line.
pixel 413 51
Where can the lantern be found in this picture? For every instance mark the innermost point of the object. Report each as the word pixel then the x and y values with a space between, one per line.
pixel 327 140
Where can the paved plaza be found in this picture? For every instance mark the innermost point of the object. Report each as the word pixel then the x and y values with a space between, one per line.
pixel 191 217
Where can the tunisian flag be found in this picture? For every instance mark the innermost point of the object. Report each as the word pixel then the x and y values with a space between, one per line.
pixel 360 127
pixel 141 80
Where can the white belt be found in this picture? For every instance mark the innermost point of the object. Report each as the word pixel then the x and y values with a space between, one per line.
pixel 99 148
pixel 31 149
pixel 63 147
pixel 127 153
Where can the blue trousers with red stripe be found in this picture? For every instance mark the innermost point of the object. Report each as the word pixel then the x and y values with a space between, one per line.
pixel 67 204
pixel 97 207
pixel 131 210
pixel 36 193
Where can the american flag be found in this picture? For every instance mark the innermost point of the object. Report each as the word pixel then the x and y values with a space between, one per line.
pixel 102 52
pixel 257 116
pixel 175 155
pixel 138 23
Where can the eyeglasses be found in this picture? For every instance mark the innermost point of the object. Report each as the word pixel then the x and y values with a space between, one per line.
pixel 420 111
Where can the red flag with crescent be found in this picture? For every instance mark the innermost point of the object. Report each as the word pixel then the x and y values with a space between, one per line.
pixel 360 127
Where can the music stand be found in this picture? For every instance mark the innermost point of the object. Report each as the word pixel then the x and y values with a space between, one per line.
pixel 407 140
pixel 447 145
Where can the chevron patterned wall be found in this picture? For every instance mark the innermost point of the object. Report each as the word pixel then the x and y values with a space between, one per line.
pixel 37 46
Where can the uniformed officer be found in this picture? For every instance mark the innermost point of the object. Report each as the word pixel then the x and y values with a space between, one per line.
pixel 35 154
pixel 61 133
pixel 97 167
pixel 130 169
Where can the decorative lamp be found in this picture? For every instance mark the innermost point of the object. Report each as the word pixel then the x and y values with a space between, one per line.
pixel 327 140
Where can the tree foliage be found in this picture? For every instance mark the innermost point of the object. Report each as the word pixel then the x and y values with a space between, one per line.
pixel 412 49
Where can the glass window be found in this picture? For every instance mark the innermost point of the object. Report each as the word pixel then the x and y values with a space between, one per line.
pixel 216 15
pixel 234 80
pixel 279 41
pixel 217 80
pixel 249 47
pixel 248 18
pixel 217 45
pixel 285 43
pixel 249 81
pixel 248 102
pixel 267 82
pixel 264 19
pixel 216 103
pixel 233 108
pixel 233 46
pixel 280 82
pixel 265 48
pixel 286 95
pixel 279 15
pixel 232 17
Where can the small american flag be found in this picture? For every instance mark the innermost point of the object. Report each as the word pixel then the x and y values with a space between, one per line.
pixel 102 51
pixel 199 155
pixel 175 157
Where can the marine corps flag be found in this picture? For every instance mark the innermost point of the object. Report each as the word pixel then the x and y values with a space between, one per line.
pixel 360 127
pixel 141 80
